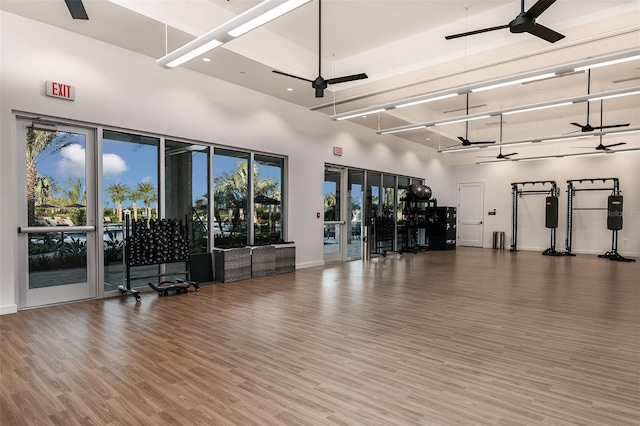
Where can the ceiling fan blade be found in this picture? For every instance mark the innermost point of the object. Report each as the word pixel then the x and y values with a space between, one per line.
pixel 614 144
pixel 611 126
pixel 292 76
pixel 463 140
pixel 76 9
pixel 481 143
pixel 347 78
pixel 578 124
pixel 539 7
pixel 485 30
pixel 544 33
pixel 509 155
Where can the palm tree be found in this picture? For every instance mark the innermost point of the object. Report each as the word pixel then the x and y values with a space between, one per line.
pixel 134 196
pixel 37 142
pixel 118 192
pixel 74 194
pixel 147 193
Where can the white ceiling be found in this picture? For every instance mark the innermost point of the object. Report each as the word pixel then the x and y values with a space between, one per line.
pixel 400 45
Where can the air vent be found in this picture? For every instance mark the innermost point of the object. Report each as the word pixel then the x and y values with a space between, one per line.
pixel 464 109
pixel 623 80
pixel 494 123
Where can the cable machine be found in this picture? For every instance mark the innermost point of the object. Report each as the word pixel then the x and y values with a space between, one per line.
pixel 614 213
pixel 551 214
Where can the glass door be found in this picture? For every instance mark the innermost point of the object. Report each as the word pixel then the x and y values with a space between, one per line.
pixel 57 203
pixel 333 217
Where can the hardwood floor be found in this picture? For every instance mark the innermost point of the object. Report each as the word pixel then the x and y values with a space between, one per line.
pixel 465 337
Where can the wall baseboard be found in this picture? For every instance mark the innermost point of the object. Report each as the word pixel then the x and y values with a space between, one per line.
pixel 308 265
pixel 8 309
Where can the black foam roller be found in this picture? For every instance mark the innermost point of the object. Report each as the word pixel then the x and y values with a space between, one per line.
pixel 551 212
pixel 614 212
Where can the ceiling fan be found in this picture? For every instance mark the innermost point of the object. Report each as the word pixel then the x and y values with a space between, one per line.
pixel 525 22
pixel 501 156
pixel 587 127
pixel 319 84
pixel 601 146
pixel 465 141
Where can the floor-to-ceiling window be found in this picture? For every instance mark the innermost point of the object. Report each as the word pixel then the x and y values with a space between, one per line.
pixel 230 195
pixel 267 198
pixel 355 194
pixel 129 187
pixel 187 190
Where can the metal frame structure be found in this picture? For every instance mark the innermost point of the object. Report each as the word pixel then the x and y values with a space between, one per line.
pixel 571 192
pixel 518 192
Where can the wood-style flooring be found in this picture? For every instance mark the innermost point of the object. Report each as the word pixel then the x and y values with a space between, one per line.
pixel 465 337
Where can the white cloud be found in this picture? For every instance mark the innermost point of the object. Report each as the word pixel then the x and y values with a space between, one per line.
pixel 72 162
pixel 113 164
pixel 147 179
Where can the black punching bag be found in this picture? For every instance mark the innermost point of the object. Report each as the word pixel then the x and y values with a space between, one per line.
pixel 614 212
pixel 551 216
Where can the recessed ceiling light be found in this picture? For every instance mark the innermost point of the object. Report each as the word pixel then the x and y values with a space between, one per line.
pixel 289 89
pixel 206 59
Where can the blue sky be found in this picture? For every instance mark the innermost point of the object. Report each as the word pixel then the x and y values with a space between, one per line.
pixel 129 164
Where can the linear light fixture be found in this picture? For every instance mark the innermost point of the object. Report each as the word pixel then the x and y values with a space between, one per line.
pixel 424 101
pixel 400 130
pixel 360 114
pixel 253 18
pixel 597 98
pixel 536 108
pixel 459 120
pixel 516 81
pixel 607 63
pixel 556 156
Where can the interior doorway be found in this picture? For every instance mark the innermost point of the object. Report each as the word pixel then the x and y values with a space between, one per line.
pixel 470 214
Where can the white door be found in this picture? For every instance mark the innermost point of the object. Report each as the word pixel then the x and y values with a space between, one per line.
pixel 334 197
pixel 57 206
pixel 470 214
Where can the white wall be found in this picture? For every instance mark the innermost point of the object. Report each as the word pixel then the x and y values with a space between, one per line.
pixel 120 88
pixel 590 234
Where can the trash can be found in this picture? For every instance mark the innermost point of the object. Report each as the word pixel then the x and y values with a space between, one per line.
pixel 366 237
pixel 498 240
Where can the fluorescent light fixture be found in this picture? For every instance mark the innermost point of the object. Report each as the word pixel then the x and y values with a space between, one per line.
pixel 569 138
pixel 453 151
pixel 537 108
pixel 246 21
pixel 424 101
pixel 266 17
pixel 360 114
pixel 597 98
pixel 517 81
pixel 194 53
pixel 607 63
pixel 402 129
pixel 462 119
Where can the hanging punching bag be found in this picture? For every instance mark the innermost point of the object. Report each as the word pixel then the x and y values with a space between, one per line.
pixel 614 212
pixel 551 213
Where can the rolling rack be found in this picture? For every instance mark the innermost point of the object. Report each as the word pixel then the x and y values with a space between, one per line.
pixel 156 242
pixel 418 214
pixel 384 232
pixel 614 214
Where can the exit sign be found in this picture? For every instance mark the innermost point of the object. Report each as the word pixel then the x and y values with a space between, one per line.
pixel 60 90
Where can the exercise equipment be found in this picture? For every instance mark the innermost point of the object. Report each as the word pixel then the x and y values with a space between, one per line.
pixel 551 211
pixel 156 242
pixel 614 213
pixel 420 192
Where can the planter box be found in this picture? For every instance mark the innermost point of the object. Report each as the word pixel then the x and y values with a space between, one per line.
pixel 285 258
pixel 263 261
pixel 232 264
